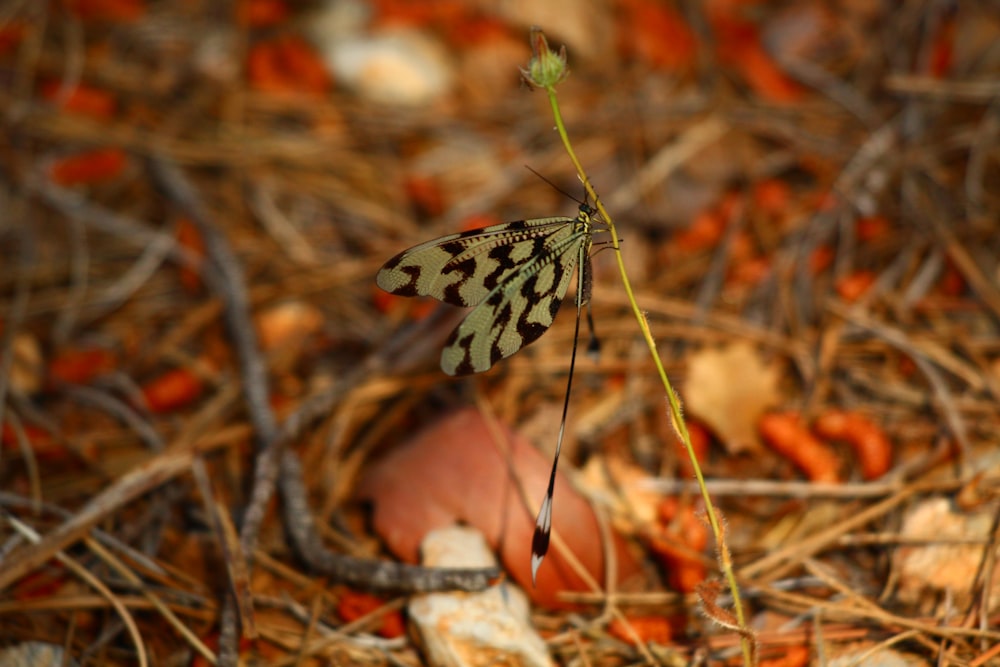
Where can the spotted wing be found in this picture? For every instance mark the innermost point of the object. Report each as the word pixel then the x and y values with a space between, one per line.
pixel 463 269
pixel 523 304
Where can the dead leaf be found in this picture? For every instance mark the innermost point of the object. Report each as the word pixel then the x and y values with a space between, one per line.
pixel 453 471
pixel 942 574
pixel 729 388
pixel 621 488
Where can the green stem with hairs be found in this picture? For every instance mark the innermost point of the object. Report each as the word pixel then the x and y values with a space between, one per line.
pixel 676 413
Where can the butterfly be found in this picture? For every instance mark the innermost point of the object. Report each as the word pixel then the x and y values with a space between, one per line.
pixel 514 275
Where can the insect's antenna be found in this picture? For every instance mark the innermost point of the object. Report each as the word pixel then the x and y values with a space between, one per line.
pixel 554 186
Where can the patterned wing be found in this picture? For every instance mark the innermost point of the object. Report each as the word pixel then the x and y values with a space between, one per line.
pixel 462 269
pixel 521 307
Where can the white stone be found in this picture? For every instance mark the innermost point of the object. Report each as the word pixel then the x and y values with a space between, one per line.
pixel 473 629
pixel 398 66
pixel 36 654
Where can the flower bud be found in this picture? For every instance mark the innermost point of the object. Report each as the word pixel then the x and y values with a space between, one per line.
pixel 546 68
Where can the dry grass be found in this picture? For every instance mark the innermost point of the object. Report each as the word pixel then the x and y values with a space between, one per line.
pixel 300 198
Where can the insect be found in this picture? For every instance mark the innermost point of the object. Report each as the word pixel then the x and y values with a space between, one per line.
pixel 515 275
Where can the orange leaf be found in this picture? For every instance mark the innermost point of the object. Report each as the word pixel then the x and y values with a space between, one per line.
pixel 870 443
pixel 40 440
pixel 704 232
pixel 750 271
pixel 425 194
pixel 91 167
pixel 821 259
pixel 943 50
pixel 420 14
pixel 766 78
pixel 287 325
pixel 11 35
pixel 478 221
pixel 740 47
pixel 212 642
pixel 41 584
pixel 81 99
pixel 772 196
pixel 261 13
pixel 852 287
pixel 81 365
pixel 655 34
pixel 952 282
pixel 794 656
pixel 786 435
pixel 907 367
pixel 354 605
pixel 743 247
pixel 872 228
pixel 115 11
pixel 683 535
pixel 287 65
pixel 700 442
pixel 416 309
pixel 648 629
pixel 477 31
pixel 174 389
pixel 189 238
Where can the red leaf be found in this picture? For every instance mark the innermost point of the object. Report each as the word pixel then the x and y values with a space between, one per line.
pixel 12 34
pixel 952 282
pixel 476 31
pixel 262 13
pixel 478 221
pixel 821 259
pixel 681 539
pixel 40 440
pixel 655 34
pixel 700 441
pixel 415 309
pixel 454 470
pixel 739 47
pixel 872 228
pixel 648 629
pixel 174 389
pixel 419 14
pixel 81 99
pixel 766 78
pixel 943 50
pixel 852 287
pixel 793 656
pixel 115 11
pixel 287 65
pixel 704 232
pixel 772 196
pixel 81 365
pixel 354 605
pixel 871 445
pixel 91 167
pixel 787 435
pixel 189 238
pixel 425 194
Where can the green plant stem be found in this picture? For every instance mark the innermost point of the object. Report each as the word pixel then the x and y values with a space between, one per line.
pixel 676 414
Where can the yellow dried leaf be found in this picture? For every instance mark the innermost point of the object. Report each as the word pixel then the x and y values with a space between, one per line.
pixel 728 388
